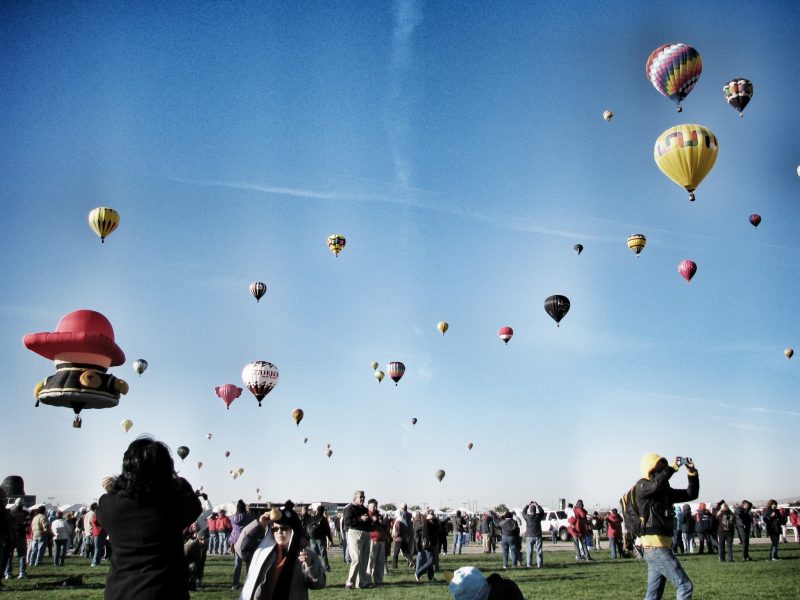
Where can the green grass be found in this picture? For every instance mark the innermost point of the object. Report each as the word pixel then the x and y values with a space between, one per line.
pixel 562 578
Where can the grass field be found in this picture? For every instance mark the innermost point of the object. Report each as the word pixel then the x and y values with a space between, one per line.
pixel 562 578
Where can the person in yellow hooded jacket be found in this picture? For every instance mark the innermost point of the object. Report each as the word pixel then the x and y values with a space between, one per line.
pixel 655 499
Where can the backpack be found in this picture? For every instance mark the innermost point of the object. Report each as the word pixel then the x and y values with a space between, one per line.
pixel 634 522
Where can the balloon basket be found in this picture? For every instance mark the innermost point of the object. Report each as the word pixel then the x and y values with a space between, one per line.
pixel 77 423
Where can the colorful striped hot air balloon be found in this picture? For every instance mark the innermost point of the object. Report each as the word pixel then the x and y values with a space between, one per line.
pixel 637 242
pixel 336 242
pixel 686 154
pixel 395 370
pixel 258 289
pixel 738 92
pixel 103 221
pixel 673 69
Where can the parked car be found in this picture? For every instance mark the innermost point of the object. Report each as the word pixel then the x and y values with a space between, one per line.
pixel 560 517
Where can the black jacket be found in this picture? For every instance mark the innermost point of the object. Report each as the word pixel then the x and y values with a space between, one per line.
pixel 743 517
pixel 655 499
pixel 352 517
pixel 426 535
pixel 533 522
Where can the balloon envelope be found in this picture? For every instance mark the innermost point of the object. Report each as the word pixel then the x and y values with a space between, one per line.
pixel 103 221
pixel 673 69
pixel 126 425
pixel 738 93
pixel 686 154
pixel 328 452
pixel 608 115
pixel 305 440
pixel 379 375
pixel 208 435
pixel 439 474
pixel 200 464
pixel 637 242
pixel 442 326
pixel 687 269
pixel 414 421
pixel 578 249
pixel 505 333
pixel 297 415
pixel 336 242
pixel 258 289
pixel 183 452
pixel 469 445
pixel 228 393
pixel 227 453
pixel 395 370
pixel 374 365
pixel 260 377
pixel 557 307
pixel 140 366
pixel 788 353
pixel 755 220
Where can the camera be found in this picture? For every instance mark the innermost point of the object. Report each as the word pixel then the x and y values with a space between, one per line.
pixel 679 461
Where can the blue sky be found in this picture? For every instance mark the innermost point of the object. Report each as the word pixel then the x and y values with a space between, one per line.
pixel 462 152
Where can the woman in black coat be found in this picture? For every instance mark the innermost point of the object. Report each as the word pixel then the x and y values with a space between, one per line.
pixel 145 513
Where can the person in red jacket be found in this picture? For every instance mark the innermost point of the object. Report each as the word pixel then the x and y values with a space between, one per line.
pixel 213 531
pixel 224 528
pixel 378 535
pixel 614 528
pixel 579 524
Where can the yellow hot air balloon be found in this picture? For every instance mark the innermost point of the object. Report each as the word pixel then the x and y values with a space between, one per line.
pixel 686 154
pixel 637 242
pixel 442 326
pixel 126 425
pixel 336 242
pixel 103 221
pixel 379 375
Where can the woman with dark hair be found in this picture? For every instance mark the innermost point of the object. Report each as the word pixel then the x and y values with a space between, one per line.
pixel 772 520
pixel 238 521
pixel 145 512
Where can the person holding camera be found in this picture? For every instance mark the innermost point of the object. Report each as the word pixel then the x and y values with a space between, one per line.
pixel 655 499
pixel 533 515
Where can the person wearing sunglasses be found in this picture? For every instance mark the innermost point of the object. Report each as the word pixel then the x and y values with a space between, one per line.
pixel 281 565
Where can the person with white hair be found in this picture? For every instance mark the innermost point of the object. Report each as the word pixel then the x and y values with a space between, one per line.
pixel 358 526
pixel 400 535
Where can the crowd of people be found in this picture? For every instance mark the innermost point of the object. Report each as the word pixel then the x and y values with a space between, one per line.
pixel 148 527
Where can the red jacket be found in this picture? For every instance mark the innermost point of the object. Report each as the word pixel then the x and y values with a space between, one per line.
pixel 614 525
pixel 581 524
pixel 224 524
pixel 97 531
pixel 213 524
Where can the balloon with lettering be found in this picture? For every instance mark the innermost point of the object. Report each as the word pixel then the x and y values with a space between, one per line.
pixel 395 369
pixel 183 452
pixel 297 415
pixel 126 425
pixel 687 269
pixel 442 326
pixel 140 366
pixel 738 93
pixel 755 220
pixel 557 307
pixel 505 333
pixel 336 243
pixel 637 242
pixel 439 474
pixel 260 377
pixel 103 221
pixel 258 289
pixel 228 393
pixel 82 348
pixel 686 154
pixel 673 69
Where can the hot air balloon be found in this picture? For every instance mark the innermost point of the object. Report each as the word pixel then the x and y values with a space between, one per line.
pixel 414 421
pixel 126 425
pixel 738 93
pixel 687 269
pixel 258 289
pixel 258 490
pixel 228 393
pixel 260 377
pixel 686 154
pixel 103 221
pixel 557 306
pixel 258 497
pixel 637 242
pixel 305 440
pixel 374 365
pixel 240 471
pixel 755 220
pixel 673 69
pixel 379 375
pixel 82 348
pixel 208 435
pixel 183 452
pixel 297 415
pixel 107 482
pixel 608 115
pixel 439 474
pixel 578 249
pixel 395 370
pixel 788 353
pixel 442 326
pixel 235 475
pixel 200 464
pixel 469 445
pixel 505 333
pixel 328 452
pixel 140 366
pixel 227 453
pixel 336 242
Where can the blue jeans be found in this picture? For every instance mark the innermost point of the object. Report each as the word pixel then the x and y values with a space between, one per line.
pixel 237 570
pixel 457 542
pixel 99 548
pixel 425 563
pixel 213 542
pixel 507 543
pixel 615 547
pixel 581 550
pixel 534 544
pixel 60 552
pixel 22 550
pixel 661 566
pixel 222 541
pixel 37 550
pixel 344 548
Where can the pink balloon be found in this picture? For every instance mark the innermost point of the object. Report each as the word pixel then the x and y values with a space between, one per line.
pixel 687 269
pixel 228 393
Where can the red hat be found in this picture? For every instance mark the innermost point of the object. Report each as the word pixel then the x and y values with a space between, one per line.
pixel 79 331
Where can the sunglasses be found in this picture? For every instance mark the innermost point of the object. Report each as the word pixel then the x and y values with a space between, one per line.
pixel 281 529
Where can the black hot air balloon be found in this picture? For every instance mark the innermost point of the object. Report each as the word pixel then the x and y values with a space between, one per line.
pixel 557 306
pixel 183 452
pixel 578 248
